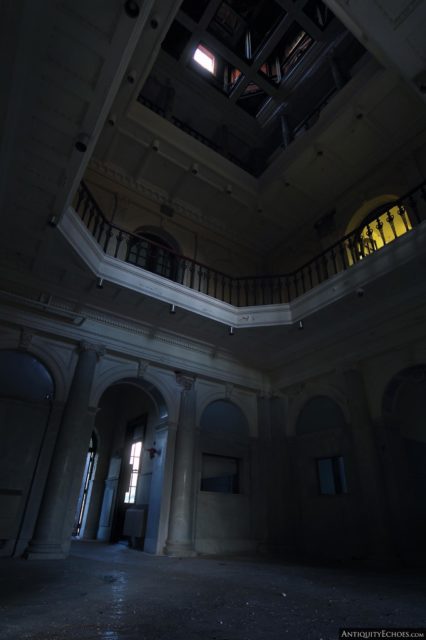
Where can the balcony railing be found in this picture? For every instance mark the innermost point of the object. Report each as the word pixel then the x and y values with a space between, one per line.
pixel 385 225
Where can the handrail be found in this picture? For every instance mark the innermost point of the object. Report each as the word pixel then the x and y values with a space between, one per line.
pixel 134 236
pixel 379 229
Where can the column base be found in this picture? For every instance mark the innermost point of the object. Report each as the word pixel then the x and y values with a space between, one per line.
pixel 180 550
pixel 44 551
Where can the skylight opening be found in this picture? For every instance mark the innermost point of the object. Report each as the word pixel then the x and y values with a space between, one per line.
pixel 205 59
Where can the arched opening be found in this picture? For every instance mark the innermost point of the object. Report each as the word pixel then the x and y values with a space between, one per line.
pixel 155 251
pixel 223 522
pixel 319 413
pixel 377 225
pixel 125 502
pixel 404 456
pixel 26 393
pixel 327 485
pixel 383 226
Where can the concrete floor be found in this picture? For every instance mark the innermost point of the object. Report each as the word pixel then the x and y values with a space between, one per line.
pixel 113 593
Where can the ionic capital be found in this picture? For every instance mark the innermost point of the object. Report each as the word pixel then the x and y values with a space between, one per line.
pixel 99 349
pixel 185 380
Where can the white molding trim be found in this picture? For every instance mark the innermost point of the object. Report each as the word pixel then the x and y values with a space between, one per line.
pixel 123 274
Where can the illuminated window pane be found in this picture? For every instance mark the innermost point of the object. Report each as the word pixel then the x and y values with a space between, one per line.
pixel 135 457
pixel 204 58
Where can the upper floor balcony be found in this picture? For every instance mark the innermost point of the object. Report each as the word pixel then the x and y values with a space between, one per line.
pixel 392 235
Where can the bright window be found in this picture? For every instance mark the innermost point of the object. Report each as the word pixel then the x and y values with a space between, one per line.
pixel 135 459
pixel 205 58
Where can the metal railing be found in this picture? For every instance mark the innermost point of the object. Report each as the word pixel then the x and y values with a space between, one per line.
pixel 384 225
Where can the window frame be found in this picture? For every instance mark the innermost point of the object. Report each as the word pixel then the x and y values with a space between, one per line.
pixel 339 477
pixel 236 482
pixel 208 54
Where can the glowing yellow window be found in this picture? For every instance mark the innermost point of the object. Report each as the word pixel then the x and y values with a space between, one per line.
pixel 384 229
pixel 205 58
pixel 377 231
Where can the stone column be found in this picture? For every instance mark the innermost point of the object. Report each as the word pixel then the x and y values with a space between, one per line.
pixel 368 465
pixel 180 539
pixel 52 534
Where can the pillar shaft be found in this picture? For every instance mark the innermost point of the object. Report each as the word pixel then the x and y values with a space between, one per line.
pixel 368 465
pixel 54 525
pixel 180 539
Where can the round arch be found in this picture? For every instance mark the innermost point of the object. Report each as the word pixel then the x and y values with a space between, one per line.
pixel 384 377
pixel 163 236
pixel 214 396
pixel 125 374
pixel 368 207
pixel 318 414
pixel 404 397
pixel 47 358
pixel 226 413
pixel 310 392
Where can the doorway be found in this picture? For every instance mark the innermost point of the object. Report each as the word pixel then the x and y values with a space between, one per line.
pixel 131 423
pixel 129 480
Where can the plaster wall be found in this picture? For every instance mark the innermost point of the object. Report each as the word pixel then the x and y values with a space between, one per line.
pixel 397 176
pixel 133 211
pixel 224 521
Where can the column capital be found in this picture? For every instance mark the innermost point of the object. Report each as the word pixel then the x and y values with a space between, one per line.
pixel 142 367
pixel 99 349
pixel 185 380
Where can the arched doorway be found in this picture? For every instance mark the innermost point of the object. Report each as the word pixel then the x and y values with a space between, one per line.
pixel 404 455
pixel 126 497
pixel 26 394
pixel 155 251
